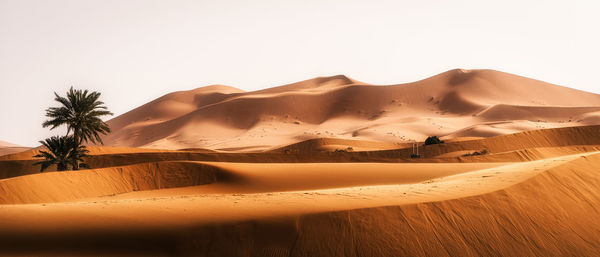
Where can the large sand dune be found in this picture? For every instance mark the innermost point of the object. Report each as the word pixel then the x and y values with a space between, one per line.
pixel 534 194
pixel 523 146
pixel 457 103
pixel 324 167
pixel 10 148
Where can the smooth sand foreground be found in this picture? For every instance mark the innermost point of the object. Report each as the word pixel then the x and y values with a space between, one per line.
pixel 535 193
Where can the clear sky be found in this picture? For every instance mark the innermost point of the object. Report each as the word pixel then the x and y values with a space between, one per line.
pixel 136 50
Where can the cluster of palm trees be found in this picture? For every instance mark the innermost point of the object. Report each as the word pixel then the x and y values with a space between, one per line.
pixel 80 111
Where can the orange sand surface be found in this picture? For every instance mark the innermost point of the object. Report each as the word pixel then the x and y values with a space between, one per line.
pixel 454 104
pixel 10 148
pixel 324 167
pixel 536 193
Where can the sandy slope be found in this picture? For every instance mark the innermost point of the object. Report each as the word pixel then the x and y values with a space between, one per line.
pixel 207 208
pixel 523 218
pixel 28 153
pixel 228 178
pixel 10 148
pixel 322 167
pixel 333 144
pixel 457 103
pixel 523 146
pixel 538 197
pixel 7 144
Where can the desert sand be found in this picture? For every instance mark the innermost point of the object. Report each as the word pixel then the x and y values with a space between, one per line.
pixel 9 148
pixel 323 167
pixel 533 194
pixel 456 103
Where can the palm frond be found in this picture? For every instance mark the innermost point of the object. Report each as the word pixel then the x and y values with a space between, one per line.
pixel 80 112
pixel 62 151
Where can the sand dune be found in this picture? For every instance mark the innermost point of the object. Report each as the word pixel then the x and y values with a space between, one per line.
pixel 527 208
pixel 523 146
pixel 228 178
pixel 10 148
pixel 551 214
pixel 535 193
pixel 7 144
pixel 323 167
pixel 220 117
pixel 333 144
pixel 61 186
pixel 92 150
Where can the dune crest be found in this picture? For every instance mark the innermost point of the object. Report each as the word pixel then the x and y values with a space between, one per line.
pixel 535 193
pixel 7 144
pixel 328 167
pixel 10 148
pixel 456 103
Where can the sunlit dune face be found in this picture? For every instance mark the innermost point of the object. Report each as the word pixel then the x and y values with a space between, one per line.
pixel 456 103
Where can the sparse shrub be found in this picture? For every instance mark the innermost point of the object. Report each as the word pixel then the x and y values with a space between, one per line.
pixel 433 140
pixel 291 151
pixel 482 152
pixel 415 156
pixel 349 149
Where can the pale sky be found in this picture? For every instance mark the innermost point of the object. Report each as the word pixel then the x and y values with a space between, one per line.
pixel 134 51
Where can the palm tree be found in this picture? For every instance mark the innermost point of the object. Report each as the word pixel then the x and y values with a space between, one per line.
pixel 62 151
pixel 81 112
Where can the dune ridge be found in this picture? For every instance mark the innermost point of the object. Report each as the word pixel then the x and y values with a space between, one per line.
pixel 227 177
pixel 551 213
pixel 505 218
pixel 10 148
pixel 220 117
pixel 7 144
pixel 523 146
pixel 325 167
pixel 536 193
pixel 57 186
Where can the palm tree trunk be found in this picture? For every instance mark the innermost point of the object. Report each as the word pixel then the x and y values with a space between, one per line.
pixel 61 167
pixel 78 143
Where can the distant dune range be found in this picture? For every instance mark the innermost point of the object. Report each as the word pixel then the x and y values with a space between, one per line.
pixel 457 103
pixel 9 148
pixel 323 168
